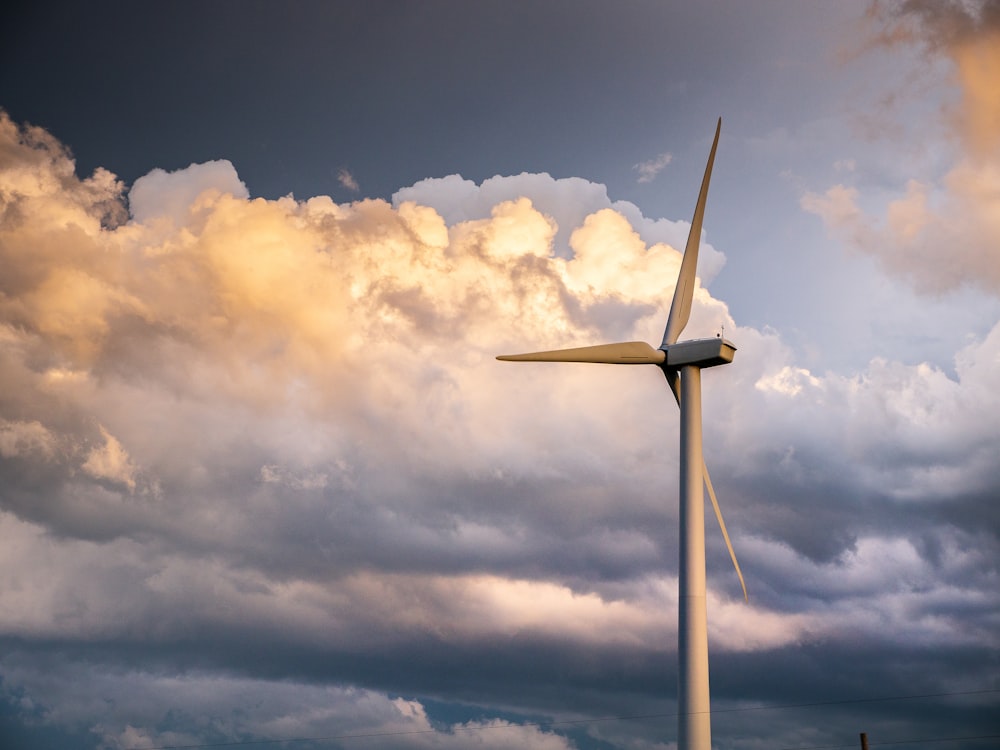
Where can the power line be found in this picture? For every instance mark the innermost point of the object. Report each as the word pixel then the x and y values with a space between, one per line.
pixel 922 740
pixel 854 700
pixel 635 717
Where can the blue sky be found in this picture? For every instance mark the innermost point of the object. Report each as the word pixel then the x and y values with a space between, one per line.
pixel 261 477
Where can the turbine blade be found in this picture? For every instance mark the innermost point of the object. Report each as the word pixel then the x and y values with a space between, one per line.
pixel 722 525
pixel 680 307
pixel 673 380
pixel 624 353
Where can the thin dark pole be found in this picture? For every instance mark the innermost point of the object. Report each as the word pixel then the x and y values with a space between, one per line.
pixel 864 741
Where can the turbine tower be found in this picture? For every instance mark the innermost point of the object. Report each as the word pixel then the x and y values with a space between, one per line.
pixel 681 363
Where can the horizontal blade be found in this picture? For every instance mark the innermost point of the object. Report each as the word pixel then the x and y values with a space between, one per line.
pixel 624 353
pixel 680 307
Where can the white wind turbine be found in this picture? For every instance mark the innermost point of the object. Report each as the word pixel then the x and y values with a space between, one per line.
pixel 681 363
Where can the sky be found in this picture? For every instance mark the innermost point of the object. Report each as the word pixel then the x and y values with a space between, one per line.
pixel 262 478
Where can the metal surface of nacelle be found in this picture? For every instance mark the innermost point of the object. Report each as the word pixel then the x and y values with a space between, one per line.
pixel 699 352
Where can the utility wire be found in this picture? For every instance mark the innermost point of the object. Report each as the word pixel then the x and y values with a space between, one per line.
pixel 922 741
pixel 851 700
pixel 635 717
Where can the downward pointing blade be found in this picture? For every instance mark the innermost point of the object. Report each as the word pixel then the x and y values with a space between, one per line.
pixel 680 307
pixel 673 380
pixel 624 353
pixel 675 386
pixel 722 525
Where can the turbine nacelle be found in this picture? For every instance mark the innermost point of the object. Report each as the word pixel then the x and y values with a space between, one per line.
pixel 698 352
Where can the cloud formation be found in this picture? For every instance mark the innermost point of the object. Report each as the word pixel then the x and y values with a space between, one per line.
pixel 346 180
pixel 649 169
pixel 266 442
pixel 941 233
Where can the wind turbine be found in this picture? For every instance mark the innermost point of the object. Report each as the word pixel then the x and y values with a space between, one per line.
pixel 681 363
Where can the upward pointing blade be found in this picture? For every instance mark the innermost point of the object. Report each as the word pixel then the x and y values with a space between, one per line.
pixel 680 307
